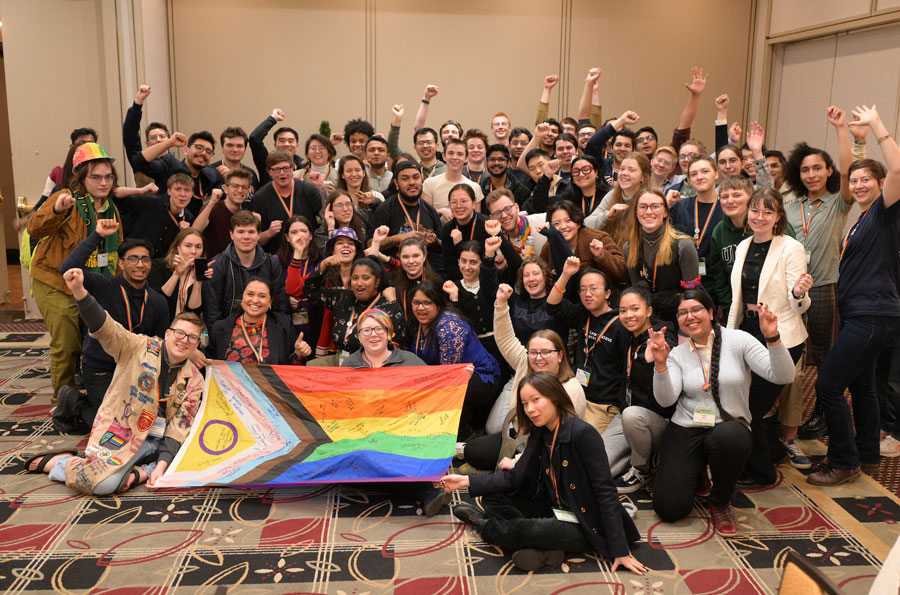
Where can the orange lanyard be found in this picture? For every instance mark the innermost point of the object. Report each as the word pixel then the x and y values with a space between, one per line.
pixel 351 323
pixel 705 369
pixel 850 233
pixel 807 223
pixel 584 211
pixel 132 326
pixel 200 187
pixel 698 235
pixel 652 279
pixel 550 462
pixel 419 336
pixel 257 353
pixel 408 218
pixel 628 364
pixel 174 218
pixel 587 352
pixel 183 293
pixel 288 208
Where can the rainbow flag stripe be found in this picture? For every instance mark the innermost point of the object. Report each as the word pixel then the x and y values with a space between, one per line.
pixel 289 425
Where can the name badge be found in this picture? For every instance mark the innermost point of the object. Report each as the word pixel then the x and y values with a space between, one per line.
pixel 343 355
pixel 566 516
pixel 808 256
pixel 704 417
pixel 702 265
pixel 300 317
pixel 103 260
pixel 583 376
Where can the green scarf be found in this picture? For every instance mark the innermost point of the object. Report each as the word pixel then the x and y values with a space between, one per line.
pixel 84 206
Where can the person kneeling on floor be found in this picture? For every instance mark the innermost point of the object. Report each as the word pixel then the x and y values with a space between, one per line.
pixel 147 411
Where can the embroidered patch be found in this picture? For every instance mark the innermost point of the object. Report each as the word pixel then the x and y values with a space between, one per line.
pixel 104 454
pixel 114 461
pixel 145 420
pixel 153 346
pixel 113 441
pixel 145 381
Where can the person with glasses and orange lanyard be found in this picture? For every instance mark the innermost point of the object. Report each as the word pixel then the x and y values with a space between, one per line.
pixel 697 217
pixel 156 162
pixel 602 341
pixel 588 186
pixel 129 301
pixel 158 218
pixel 146 414
pixel 465 225
pixel 559 497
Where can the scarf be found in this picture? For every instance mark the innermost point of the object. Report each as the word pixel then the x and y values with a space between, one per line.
pixel 84 206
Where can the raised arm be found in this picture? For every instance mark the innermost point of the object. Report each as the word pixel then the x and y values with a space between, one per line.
pixel 540 132
pixel 868 115
pixel 131 128
pixel 596 145
pixel 543 110
pixel 696 87
pixel 176 140
pixel 838 118
pixel 393 138
pixel 755 138
pixel 431 92
pixel 590 82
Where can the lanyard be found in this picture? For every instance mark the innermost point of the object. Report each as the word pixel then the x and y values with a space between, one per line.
pixel 174 218
pixel 466 171
pixel 698 235
pixel 132 326
pixel 706 385
pixel 851 232
pixel 351 323
pixel 587 352
pixel 183 293
pixel 584 210
pixel 807 223
pixel 288 208
pixel 418 337
pixel 647 276
pixel 200 188
pixel 256 352
pixel 628 364
pixel 408 218
pixel 550 462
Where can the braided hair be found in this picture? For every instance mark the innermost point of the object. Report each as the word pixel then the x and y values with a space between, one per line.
pixel 700 295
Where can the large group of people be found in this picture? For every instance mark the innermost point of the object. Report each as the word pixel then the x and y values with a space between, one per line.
pixel 629 309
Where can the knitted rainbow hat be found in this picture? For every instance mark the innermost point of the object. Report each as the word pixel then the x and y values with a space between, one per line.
pixel 381 317
pixel 89 152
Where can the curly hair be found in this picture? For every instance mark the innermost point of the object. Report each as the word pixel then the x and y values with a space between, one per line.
pixel 792 169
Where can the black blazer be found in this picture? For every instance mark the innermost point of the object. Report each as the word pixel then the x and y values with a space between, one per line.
pixel 279 330
pixel 585 483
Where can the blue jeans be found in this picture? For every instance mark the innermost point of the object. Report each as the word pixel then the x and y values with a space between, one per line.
pixel 851 364
pixel 111 484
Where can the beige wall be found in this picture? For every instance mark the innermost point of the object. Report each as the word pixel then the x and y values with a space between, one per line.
pixel 355 59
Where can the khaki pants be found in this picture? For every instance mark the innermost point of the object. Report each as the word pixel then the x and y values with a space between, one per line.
pixel 600 416
pixel 61 317
pixel 790 401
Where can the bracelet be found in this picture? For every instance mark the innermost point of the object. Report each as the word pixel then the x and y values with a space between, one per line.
pixel 425 101
pixel 859 143
pixel 883 138
pixel 774 339
pixel 558 290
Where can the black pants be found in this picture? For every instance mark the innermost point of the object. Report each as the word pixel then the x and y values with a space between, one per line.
pixel 480 397
pixel 685 452
pixel 518 523
pixel 483 452
pixel 767 447
pixel 887 387
pixel 96 383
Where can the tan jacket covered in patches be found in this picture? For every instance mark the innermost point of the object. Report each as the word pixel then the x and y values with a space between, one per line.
pixel 130 405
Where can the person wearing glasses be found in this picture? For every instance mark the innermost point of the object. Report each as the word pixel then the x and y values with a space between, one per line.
pixel 340 211
pixel 520 229
pixel 588 186
pixel 612 214
pixel 465 225
pixel 281 199
pixel 659 257
pixel 544 351
pixel 146 414
pixel 708 380
pixel 215 218
pixel 156 161
pixel 662 164
pixel 374 330
pixel 129 301
pixel 679 186
pixel 498 157
pixel 257 334
pixel 439 336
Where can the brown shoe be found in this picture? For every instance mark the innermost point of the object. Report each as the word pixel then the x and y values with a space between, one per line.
pixel 870 469
pixel 828 476
pixel 723 520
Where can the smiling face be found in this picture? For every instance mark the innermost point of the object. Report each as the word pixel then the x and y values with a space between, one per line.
pixel 563 222
pixel 373 336
pixel 497 163
pixel 363 283
pixel 539 409
pixel 634 313
pixel 179 196
pixel 342 208
pixel 461 206
pixel 353 173
pixel 865 187
pixel 777 171
pixel 814 173
pixel 500 127
pixel 357 143
pixel 449 131
pixel 565 152
pixel 469 266
pixel 199 153
pixel 191 246
pixel 376 153
pixel 584 135
pixel 694 319
pixel 506 211
pixel 409 182
pixel 728 162
pixel 533 281
pixel 622 146
pixel 136 265
pixel 317 153
pixel 662 165
pixel 651 212
pixel 761 219
pixel 237 190
pixel 425 310
pixel 594 294
pixel 748 163
pixel 255 300
pixel 646 143
pixel 287 142
pixel 412 260
pixel 630 176
pixel 99 180
pixel 345 249
pixel 426 145
pixel 476 150
pixel 517 144
pixel 702 176
pixel 734 202
pixel 245 238
pixel 455 156
pixel 177 349
pixel 538 358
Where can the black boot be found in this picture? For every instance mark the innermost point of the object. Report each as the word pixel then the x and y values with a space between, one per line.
pixel 470 515
pixel 815 427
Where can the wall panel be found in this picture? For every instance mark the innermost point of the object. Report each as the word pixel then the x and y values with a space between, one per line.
pixel 791 15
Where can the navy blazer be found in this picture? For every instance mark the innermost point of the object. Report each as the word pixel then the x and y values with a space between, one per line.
pixel 585 483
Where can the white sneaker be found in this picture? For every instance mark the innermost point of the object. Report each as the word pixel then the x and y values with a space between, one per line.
pixel 890 447
pixel 460 447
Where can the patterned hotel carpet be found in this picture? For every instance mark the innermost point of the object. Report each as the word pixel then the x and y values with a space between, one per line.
pixel 340 540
